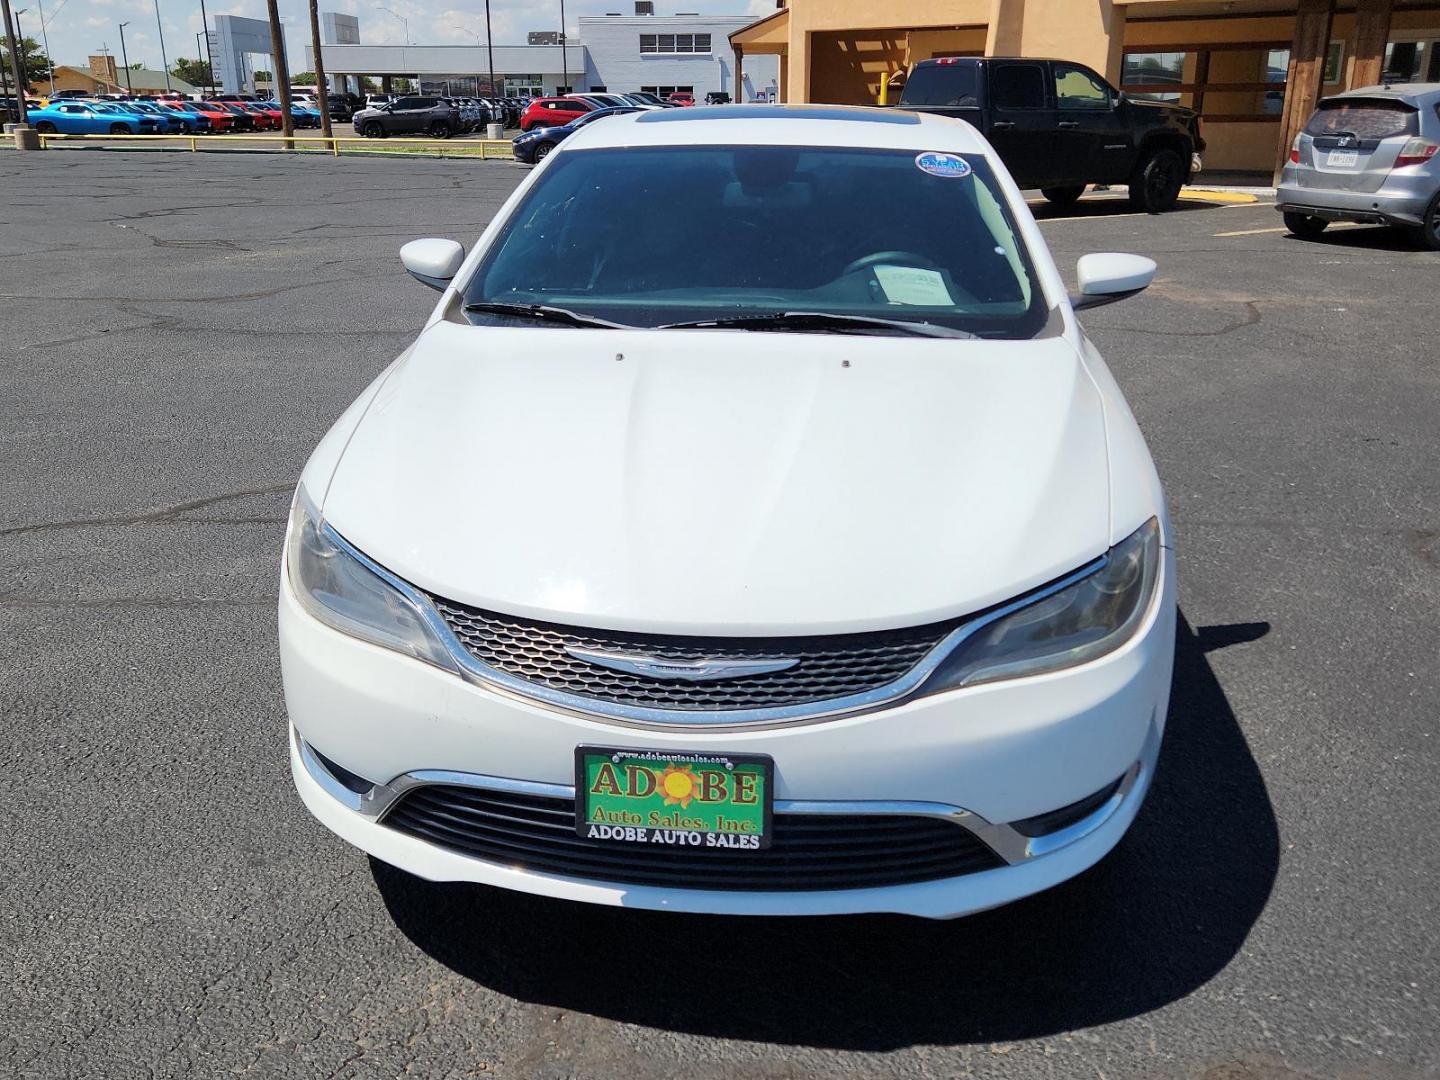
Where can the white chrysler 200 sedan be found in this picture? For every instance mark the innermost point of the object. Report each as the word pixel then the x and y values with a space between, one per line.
pixel 751 529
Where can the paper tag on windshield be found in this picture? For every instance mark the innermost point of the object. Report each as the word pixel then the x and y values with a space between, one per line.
pixel 914 285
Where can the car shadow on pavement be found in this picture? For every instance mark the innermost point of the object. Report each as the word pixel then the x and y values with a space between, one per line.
pixel 1155 920
pixel 1367 237
pixel 1105 206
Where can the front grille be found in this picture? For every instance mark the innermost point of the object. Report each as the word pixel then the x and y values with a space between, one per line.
pixel 807 852
pixel 831 666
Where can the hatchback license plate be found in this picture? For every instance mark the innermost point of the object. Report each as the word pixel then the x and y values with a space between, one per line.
pixel 1343 159
pixel 718 801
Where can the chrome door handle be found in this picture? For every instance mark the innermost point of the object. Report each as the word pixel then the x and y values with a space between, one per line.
pixel 1069 123
pixel 1002 125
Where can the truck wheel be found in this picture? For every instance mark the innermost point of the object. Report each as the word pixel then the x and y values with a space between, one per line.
pixel 1063 196
pixel 1429 233
pixel 1158 178
pixel 1304 226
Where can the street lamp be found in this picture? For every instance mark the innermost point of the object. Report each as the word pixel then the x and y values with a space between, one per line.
pixel 45 37
pixel 20 44
pixel 401 18
pixel 125 59
pixel 164 63
pixel 470 32
pixel 564 57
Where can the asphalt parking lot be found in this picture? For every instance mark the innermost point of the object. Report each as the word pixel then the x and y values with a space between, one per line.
pixel 178 331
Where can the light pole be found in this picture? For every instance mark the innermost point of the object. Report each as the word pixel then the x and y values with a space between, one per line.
pixel 20 114
pixel 20 41
pixel 125 59
pixel 209 57
pixel 564 59
pixel 164 63
pixel 401 18
pixel 45 37
pixel 470 32
pixel 490 49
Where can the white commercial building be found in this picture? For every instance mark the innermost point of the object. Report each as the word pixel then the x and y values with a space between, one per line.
pixel 665 54
pixel 661 54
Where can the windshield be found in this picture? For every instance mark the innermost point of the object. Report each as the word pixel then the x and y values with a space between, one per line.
pixel 655 236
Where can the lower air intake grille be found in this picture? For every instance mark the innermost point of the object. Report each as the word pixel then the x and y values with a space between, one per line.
pixel 808 851
pixel 830 666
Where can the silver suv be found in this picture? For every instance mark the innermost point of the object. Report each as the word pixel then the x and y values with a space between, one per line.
pixel 1371 155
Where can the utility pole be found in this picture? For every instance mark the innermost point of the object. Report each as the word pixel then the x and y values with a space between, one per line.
pixel 564 56
pixel 125 59
pixel 20 40
pixel 280 72
pixel 164 63
pixel 20 87
pixel 45 37
pixel 322 92
pixel 490 48
pixel 209 57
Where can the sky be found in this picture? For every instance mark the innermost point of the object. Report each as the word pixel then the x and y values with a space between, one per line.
pixel 78 28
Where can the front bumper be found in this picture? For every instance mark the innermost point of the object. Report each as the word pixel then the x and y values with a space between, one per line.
pixel 981 756
pixel 1402 200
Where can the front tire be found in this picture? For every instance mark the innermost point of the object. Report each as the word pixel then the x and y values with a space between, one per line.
pixel 1063 196
pixel 439 130
pixel 1158 178
pixel 373 130
pixel 119 129
pixel 45 127
pixel 1304 226
pixel 543 151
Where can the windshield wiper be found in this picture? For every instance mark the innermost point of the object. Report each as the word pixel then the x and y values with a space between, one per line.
pixel 548 314
pixel 820 320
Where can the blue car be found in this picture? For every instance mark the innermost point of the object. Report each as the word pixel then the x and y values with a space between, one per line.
pixel 91 118
pixel 535 145
pixel 301 116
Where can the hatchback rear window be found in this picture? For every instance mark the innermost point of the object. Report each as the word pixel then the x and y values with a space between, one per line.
pixel 1364 119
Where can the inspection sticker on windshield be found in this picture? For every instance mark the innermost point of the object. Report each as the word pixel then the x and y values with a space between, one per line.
pixel 914 285
pixel 937 163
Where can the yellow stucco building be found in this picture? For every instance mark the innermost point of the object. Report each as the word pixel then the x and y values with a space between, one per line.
pixel 1253 69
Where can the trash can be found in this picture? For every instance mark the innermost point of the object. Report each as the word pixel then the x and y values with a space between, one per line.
pixel 495 131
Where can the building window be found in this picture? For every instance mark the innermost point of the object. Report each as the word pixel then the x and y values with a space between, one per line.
pixel 1153 69
pixel 688 44
pixel 666 91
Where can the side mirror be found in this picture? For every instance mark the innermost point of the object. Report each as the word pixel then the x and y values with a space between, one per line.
pixel 434 262
pixel 1110 276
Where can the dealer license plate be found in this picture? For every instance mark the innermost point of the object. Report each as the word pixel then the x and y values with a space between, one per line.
pixel 1343 159
pixel 716 801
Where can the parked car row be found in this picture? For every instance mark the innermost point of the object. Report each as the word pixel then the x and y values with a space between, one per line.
pixel 545 112
pixel 115 115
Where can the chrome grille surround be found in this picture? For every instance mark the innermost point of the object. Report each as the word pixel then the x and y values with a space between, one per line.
pixel 830 667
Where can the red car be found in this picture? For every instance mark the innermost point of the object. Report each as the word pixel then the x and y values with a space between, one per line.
pixel 241 119
pixel 221 118
pixel 263 119
pixel 553 112
pixel 681 99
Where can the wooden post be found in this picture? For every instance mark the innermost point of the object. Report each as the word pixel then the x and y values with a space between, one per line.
pixel 1307 68
pixel 1372 31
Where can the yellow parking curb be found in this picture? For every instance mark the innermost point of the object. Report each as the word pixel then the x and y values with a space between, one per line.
pixel 1218 196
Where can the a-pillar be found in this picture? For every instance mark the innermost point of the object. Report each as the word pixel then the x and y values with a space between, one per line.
pixel 1372 31
pixel 1307 69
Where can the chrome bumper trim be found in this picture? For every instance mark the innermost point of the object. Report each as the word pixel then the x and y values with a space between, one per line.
pixel 1012 846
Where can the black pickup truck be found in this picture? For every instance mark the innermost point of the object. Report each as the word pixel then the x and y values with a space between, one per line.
pixel 1059 126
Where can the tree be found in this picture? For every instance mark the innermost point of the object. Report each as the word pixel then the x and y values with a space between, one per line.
pixel 139 65
pixel 258 74
pixel 195 72
pixel 36 65
pixel 305 78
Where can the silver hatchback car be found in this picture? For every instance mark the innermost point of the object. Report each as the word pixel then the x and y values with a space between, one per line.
pixel 1370 155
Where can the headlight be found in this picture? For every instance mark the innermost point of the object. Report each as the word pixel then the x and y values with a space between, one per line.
pixel 1080 622
pixel 343 589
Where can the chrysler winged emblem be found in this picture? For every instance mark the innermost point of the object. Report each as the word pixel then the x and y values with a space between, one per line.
pixel 703 669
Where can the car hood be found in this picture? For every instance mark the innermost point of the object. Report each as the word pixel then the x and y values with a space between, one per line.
pixel 726 482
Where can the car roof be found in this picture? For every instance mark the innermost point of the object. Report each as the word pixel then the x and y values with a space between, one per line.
pixel 1411 93
pixel 784 125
